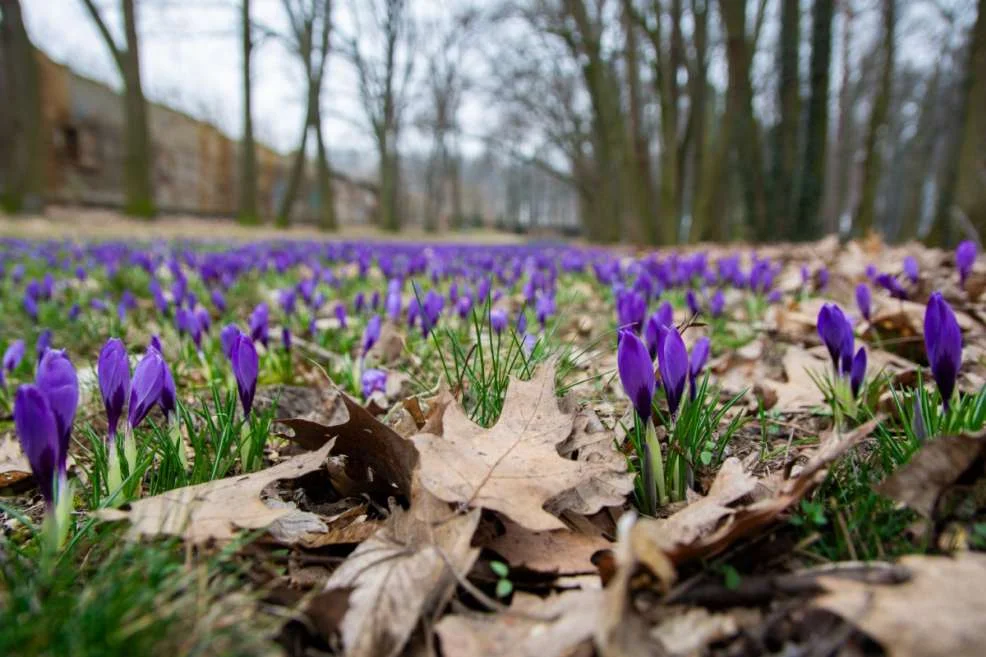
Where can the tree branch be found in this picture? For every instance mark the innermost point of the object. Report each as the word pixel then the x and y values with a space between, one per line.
pixel 107 36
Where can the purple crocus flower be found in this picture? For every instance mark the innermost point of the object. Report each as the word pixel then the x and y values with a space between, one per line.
pixel 246 366
pixel 287 301
pixel 662 318
pixel 965 258
pixel 911 269
pixel 636 372
pixel 113 372
pixel 203 318
pixel 463 306
pixel 56 378
pixel 498 320
pixel 145 387
pixel 836 332
pixel 227 338
pixel 259 319
pixel 717 304
pixel 218 300
pixel 74 312
pixel 943 345
pixel 672 361
pixel 359 302
pixel 545 308
pixel 822 278
pixel 373 381
pixel 692 300
pixel 522 321
pixel 37 430
pixel 863 300
pixel 286 338
pixel 340 313
pixel 858 371
pixel 370 334
pixel 700 355
pixel 12 357
pixel 30 305
pixel 430 312
pixel 631 308
pixel 890 283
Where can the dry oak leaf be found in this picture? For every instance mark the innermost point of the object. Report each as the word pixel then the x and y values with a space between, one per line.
pixel 217 509
pixel 562 552
pixel 513 467
pixel 14 468
pixel 937 613
pixel 933 470
pixel 377 457
pixel 609 481
pixel 401 573
pixel 555 627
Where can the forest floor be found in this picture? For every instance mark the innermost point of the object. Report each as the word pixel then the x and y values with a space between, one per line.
pixel 489 493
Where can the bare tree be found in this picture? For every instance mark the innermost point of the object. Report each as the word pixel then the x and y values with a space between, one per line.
pixel 812 184
pixel 21 146
pixel 310 26
pixel 445 85
pixel 785 164
pixel 138 158
pixel 248 153
pixel 381 50
pixel 865 219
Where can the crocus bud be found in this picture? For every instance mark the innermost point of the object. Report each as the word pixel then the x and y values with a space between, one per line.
pixel 636 372
pixel 943 345
pixel 340 313
pixel 43 343
pixel 692 300
pixel 56 378
pixel 373 381
pixel 911 269
pixel 259 323
pixel 700 355
pixel 227 338
pixel 370 334
pixel 286 338
pixel 863 300
pixel 113 372
pixel 37 431
pixel 145 387
pixel 858 372
pixel 498 320
pixel 965 258
pixel 836 332
pixel 672 359
pixel 218 301
pixel 13 356
pixel 246 366
pixel 717 304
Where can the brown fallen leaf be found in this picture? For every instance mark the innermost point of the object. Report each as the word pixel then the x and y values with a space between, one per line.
pixel 609 481
pixel 698 540
pixel 14 468
pixel 402 572
pixel 937 613
pixel 513 467
pixel 376 456
pixel 933 470
pixel 561 551
pixel 554 627
pixel 215 510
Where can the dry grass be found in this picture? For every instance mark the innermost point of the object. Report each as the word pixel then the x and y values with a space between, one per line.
pixel 96 224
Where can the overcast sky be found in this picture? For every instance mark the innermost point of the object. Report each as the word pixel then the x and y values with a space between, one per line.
pixel 191 60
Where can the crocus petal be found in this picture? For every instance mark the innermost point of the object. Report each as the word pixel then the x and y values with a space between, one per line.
pixel 245 368
pixel 858 371
pixel 673 365
pixel 145 387
pixel 113 372
pixel 37 430
pixel 227 338
pixel 56 378
pixel 636 372
pixel 943 345
pixel 863 300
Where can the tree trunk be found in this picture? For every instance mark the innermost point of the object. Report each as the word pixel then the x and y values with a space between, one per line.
pixel 389 218
pixel 297 170
pixel 785 163
pixel 248 153
pixel 697 117
pixel 812 185
pixel 921 150
pixel 873 164
pixel 139 157
pixel 22 167
pixel 326 197
pixel 969 182
pixel 746 131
